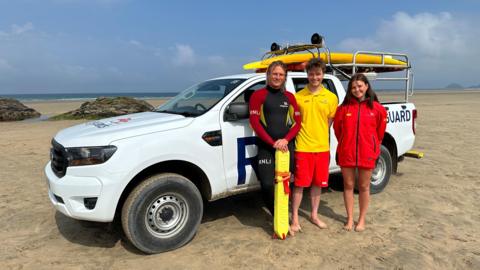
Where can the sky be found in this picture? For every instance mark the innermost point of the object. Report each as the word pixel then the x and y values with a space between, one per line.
pixel 88 46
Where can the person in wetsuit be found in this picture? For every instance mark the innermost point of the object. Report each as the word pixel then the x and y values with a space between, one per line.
pixel 275 118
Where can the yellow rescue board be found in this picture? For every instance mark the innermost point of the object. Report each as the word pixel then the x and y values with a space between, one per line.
pixel 336 58
pixel 414 154
pixel 282 180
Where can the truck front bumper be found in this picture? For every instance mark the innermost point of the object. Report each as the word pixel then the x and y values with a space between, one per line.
pixel 82 197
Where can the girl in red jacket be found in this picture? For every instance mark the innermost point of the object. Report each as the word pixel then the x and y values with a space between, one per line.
pixel 359 126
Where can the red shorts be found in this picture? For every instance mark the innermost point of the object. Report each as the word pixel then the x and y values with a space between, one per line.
pixel 312 168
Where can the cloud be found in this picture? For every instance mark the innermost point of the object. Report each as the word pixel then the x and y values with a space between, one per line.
pixel 184 56
pixel 426 33
pixel 438 44
pixel 4 65
pixel 17 30
pixel 155 51
pixel 77 72
pixel 135 43
pixel 5 68
pixel 34 60
pixel 216 60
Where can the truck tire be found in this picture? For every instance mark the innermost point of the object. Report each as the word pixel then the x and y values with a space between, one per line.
pixel 382 172
pixel 162 213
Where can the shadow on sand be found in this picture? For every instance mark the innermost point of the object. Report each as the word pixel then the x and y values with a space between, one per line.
pixel 248 208
pixel 93 234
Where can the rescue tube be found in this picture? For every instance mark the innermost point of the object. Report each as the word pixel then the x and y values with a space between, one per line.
pixel 282 181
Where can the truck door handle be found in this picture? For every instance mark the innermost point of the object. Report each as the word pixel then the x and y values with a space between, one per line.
pixel 404 107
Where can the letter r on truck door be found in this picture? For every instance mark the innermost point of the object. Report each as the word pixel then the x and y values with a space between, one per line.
pixel 242 160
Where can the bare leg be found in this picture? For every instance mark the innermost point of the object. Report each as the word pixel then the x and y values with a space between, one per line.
pixel 296 200
pixel 348 185
pixel 364 196
pixel 315 201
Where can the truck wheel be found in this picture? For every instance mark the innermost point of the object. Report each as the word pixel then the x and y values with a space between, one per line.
pixel 162 213
pixel 381 173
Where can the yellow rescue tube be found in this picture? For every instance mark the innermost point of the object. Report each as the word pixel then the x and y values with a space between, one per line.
pixel 282 181
pixel 336 58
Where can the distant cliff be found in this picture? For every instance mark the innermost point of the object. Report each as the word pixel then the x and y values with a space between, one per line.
pixel 454 86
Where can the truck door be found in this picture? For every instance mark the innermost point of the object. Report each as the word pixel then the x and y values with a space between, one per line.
pixel 239 149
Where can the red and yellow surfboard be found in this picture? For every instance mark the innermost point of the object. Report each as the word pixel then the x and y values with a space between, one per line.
pixel 336 58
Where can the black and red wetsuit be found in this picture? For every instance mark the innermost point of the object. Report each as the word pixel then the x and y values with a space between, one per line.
pixel 274 115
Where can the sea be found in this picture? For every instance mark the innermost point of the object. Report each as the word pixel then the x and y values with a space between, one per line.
pixel 86 96
pixel 140 95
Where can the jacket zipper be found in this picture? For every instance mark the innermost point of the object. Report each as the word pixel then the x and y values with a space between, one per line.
pixel 374 145
pixel 358 133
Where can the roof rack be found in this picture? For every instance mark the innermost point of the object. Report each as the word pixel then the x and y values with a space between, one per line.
pixel 383 62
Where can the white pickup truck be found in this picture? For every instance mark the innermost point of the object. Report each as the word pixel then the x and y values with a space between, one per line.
pixel 156 169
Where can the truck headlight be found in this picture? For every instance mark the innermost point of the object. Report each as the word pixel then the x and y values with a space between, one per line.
pixel 79 156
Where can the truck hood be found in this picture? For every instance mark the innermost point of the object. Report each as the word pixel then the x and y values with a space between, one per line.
pixel 105 131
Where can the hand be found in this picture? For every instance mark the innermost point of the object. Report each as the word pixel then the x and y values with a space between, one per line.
pixel 281 145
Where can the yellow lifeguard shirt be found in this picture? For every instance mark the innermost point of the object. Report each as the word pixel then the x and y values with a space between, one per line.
pixel 315 109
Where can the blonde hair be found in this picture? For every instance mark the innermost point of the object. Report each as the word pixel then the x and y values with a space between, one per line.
pixel 275 64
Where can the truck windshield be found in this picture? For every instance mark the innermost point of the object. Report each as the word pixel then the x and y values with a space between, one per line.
pixel 199 98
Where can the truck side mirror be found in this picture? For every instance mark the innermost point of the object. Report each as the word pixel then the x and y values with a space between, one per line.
pixel 236 111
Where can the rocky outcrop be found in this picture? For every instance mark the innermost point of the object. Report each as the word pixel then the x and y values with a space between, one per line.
pixel 104 107
pixel 14 110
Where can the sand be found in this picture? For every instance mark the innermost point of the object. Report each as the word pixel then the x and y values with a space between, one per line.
pixel 427 218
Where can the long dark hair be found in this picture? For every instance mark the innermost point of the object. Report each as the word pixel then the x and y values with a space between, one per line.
pixel 369 95
pixel 275 64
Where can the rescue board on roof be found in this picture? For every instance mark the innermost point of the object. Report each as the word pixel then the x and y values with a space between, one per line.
pixel 336 58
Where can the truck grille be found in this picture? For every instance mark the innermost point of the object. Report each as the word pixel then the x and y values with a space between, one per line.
pixel 58 158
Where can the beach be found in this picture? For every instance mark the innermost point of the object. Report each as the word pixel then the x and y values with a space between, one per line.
pixel 427 217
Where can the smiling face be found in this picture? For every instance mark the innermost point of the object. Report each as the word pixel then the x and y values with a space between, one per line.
pixel 315 77
pixel 276 77
pixel 359 88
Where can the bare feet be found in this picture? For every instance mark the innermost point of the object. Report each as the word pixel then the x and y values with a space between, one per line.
pixel 360 226
pixel 294 228
pixel 318 222
pixel 348 226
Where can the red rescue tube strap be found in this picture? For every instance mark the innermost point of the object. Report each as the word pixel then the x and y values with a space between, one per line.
pixel 285 178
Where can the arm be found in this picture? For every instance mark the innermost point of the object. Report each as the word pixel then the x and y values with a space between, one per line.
pixel 294 113
pixel 333 110
pixel 381 122
pixel 337 122
pixel 256 101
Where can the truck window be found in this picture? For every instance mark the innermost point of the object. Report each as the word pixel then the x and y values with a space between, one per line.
pixel 199 98
pixel 300 83
pixel 245 95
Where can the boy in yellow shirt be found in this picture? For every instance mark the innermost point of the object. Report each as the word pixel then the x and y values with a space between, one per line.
pixel 312 152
